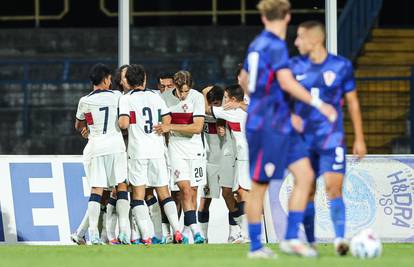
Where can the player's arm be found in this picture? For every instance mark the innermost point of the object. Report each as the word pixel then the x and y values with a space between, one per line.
pixel 359 147
pixel 194 128
pixel 124 112
pixel 123 121
pixel 80 122
pixel 235 105
pixel 205 92
pixel 291 86
pixel 244 81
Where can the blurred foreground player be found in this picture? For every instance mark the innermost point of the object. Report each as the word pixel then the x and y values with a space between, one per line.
pixel 329 78
pixel 268 80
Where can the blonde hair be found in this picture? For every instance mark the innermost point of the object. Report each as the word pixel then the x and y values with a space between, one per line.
pixel 274 9
pixel 182 78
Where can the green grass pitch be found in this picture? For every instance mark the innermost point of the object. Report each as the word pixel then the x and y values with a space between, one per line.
pixel 394 255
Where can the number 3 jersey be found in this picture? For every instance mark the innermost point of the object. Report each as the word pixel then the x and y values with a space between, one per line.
pixel 329 81
pixel 100 111
pixel 145 109
pixel 185 146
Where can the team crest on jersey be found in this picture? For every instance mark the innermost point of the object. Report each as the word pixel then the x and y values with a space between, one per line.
pixel 269 169
pixel 184 107
pixel 329 77
pixel 177 174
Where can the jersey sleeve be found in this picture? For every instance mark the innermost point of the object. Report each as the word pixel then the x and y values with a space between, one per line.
pixel 278 56
pixel 349 79
pixel 199 106
pixel 124 107
pixel 220 113
pixel 80 113
pixel 164 109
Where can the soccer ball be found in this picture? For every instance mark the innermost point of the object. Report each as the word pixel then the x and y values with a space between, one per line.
pixel 366 245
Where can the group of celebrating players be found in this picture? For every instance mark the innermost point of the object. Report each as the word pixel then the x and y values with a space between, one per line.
pixel 281 114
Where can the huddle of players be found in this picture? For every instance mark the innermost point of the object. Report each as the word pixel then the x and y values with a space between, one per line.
pixel 306 136
pixel 165 139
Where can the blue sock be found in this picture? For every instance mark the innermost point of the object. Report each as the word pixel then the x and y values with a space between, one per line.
pixel 309 222
pixel 295 218
pixel 255 233
pixel 338 216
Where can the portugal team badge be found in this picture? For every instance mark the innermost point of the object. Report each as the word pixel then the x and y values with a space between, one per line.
pixel 184 107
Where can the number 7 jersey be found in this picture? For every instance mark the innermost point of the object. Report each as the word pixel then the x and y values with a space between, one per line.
pixel 100 111
pixel 145 109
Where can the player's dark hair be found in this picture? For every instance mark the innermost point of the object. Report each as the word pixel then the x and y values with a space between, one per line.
pixel 117 78
pixel 165 75
pixel 235 91
pixel 182 78
pixel 98 73
pixel 216 93
pixel 135 75
pixel 312 24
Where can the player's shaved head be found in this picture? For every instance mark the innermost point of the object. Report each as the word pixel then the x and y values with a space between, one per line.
pixel 315 29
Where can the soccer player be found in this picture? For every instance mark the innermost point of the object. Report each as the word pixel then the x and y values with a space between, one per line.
pixel 186 149
pixel 236 121
pixel 273 145
pixel 165 81
pixel 140 110
pixel 107 165
pixel 330 78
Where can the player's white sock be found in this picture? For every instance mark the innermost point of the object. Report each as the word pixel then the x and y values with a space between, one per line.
pixel 122 209
pixel 104 234
pixel 170 210
pixel 166 229
pixel 155 214
pixel 83 227
pixel 135 234
pixel 111 219
pixel 94 210
pixel 142 218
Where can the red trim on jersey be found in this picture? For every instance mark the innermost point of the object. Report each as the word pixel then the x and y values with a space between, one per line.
pixel 234 126
pixel 132 117
pixel 88 118
pixel 212 128
pixel 269 82
pixel 181 118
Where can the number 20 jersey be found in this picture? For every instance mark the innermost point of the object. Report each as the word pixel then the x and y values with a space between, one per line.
pixel 145 109
pixel 100 111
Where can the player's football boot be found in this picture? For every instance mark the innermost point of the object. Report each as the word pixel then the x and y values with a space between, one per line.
pixel 147 241
pixel 341 246
pixel 198 239
pixel 113 242
pixel 78 239
pixel 185 241
pixel 124 239
pixel 136 242
pixel 168 239
pixel 296 247
pixel 95 240
pixel 263 253
pixel 156 241
pixel 236 238
pixel 178 237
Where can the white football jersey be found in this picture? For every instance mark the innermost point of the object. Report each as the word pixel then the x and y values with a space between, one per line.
pixel 236 123
pixel 100 111
pixel 145 109
pixel 213 140
pixel 185 146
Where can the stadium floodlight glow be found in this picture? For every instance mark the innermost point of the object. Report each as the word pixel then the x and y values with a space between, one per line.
pixel 123 32
pixel 331 26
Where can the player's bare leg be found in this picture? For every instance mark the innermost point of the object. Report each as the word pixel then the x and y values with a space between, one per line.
pixel 177 197
pixel 254 210
pixel 141 214
pixel 304 178
pixel 170 209
pixel 94 211
pixel 333 182
pixel 122 209
pixel 204 216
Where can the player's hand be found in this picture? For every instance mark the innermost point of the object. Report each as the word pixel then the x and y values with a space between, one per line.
pixel 221 131
pixel 297 123
pixel 329 112
pixel 359 149
pixel 231 105
pixel 162 128
pixel 85 132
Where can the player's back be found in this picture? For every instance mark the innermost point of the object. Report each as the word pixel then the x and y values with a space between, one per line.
pixel 268 106
pixel 146 109
pixel 100 111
